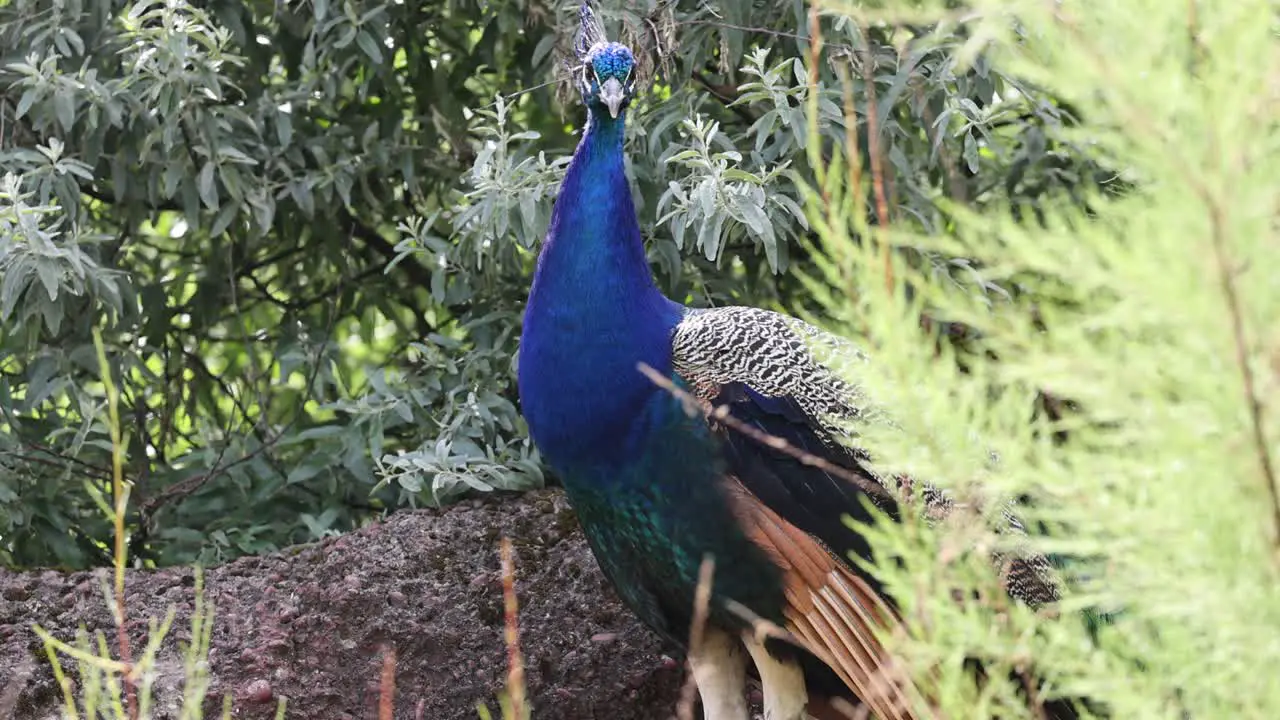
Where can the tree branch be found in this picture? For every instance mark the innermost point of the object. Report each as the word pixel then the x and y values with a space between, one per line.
pixel 1226 277
pixel 190 485
pixel 725 94
pixel 374 240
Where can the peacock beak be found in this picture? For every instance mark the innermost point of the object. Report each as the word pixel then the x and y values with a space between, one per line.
pixel 611 95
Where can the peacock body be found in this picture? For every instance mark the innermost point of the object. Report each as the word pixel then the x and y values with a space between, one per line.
pixel 657 489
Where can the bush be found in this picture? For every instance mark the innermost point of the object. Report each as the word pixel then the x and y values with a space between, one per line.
pixel 305 233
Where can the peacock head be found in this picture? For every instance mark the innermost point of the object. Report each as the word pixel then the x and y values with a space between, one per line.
pixel 607 76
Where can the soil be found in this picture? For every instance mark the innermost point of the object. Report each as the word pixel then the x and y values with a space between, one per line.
pixel 312 623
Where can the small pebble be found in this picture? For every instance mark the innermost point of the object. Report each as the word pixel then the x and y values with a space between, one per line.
pixel 259 691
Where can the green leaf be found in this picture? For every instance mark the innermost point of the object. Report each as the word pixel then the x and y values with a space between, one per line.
pixel 684 156
pixel 528 212
pixel 411 482
pixel 342 183
pixel 235 154
pixel 345 38
pixel 709 238
pixel 264 210
pixel 320 433
pixel 303 473
pixel 52 316
pixel 284 128
pixel 64 106
pixel 49 277
pixel 542 50
pixel 172 175
pixel 793 208
pixel 302 196
pixel 404 411
pixel 752 215
pixel 119 177
pixel 706 195
pixel 224 218
pixel 12 283
pixel 369 45
pixel 735 175
pixel 73 39
pixel 24 103
pixel 207 186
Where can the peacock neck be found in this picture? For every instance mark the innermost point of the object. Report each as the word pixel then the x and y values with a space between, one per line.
pixel 594 310
pixel 594 248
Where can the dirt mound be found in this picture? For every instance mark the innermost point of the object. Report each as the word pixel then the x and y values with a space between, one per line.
pixel 311 623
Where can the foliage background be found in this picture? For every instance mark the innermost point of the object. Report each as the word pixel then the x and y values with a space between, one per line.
pixel 305 231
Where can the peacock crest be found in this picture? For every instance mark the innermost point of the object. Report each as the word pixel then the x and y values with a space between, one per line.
pixel 650 36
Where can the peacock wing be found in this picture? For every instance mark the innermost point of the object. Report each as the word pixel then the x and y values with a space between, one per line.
pixel 757 367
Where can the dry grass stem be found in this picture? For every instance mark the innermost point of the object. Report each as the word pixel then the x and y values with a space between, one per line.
pixel 387 685
pixel 515 663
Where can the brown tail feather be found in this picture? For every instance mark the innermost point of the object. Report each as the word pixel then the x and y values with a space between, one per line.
pixel 832 611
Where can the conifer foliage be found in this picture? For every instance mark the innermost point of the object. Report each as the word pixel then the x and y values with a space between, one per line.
pixel 1116 372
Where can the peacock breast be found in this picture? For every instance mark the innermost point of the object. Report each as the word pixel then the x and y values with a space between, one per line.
pixel 652 513
pixel 581 392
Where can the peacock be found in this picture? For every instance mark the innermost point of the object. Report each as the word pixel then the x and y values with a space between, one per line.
pixel 657 488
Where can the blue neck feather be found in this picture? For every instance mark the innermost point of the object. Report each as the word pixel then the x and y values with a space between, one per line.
pixel 593 313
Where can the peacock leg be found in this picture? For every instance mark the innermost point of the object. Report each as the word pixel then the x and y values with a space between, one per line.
pixel 720 671
pixel 782 681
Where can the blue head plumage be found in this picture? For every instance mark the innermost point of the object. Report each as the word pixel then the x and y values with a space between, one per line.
pixel 607 75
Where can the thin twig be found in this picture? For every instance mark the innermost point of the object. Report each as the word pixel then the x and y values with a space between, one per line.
pixel 722 415
pixel 106 477
pixel 697 631
pixel 813 141
pixel 1254 402
pixel 1033 695
pixel 525 91
pixel 69 459
pixel 854 160
pixel 877 163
